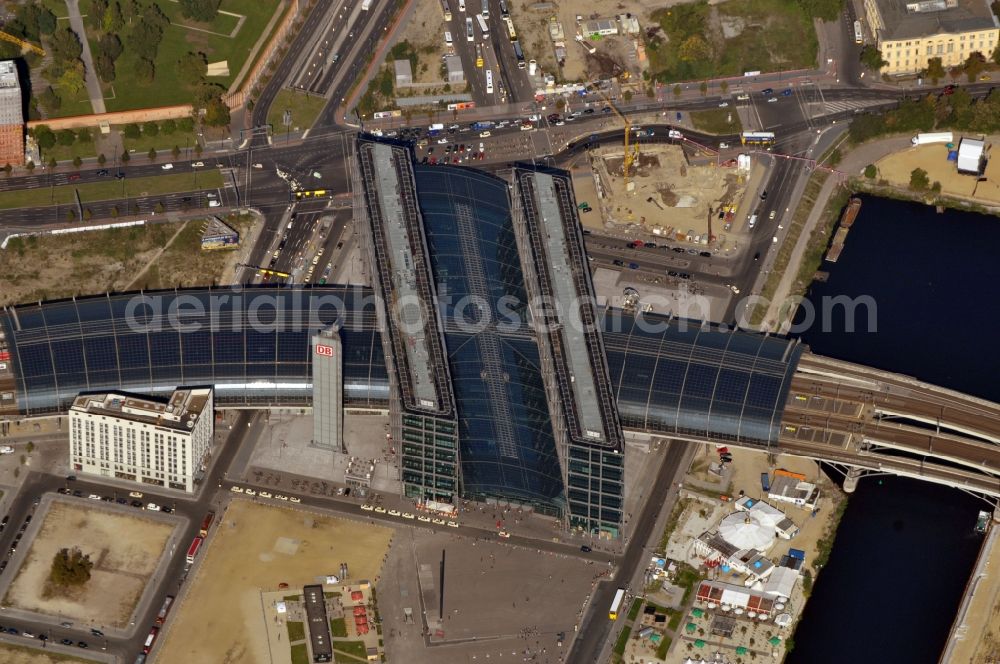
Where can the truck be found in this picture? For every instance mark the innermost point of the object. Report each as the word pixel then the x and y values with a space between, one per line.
pixel 765 482
pixel 481 125
pixel 936 137
pixel 673 133
pixel 6 449
pixel 193 549
pixel 366 4
pixel 150 640
pixel 206 524
pixel 161 617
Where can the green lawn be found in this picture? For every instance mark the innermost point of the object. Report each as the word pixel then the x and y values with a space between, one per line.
pixel 622 641
pixel 109 190
pixel 299 654
pixel 661 650
pixel 292 598
pixel 633 612
pixel 776 35
pixel 296 631
pixel 305 108
pixel 356 648
pixel 163 143
pixel 338 627
pixel 67 152
pixel 717 121
pixel 167 89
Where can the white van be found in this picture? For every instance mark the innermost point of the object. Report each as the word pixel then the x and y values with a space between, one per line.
pixel 447 39
pixel 214 203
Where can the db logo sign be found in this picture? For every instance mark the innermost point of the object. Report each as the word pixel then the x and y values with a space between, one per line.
pixel 326 351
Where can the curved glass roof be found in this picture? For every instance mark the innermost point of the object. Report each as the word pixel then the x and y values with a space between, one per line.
pixel 670 376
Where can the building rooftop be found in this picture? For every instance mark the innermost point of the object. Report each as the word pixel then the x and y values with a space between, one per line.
pixel 181 411
pixel 790 487
pixel 10 95
pixel 908 20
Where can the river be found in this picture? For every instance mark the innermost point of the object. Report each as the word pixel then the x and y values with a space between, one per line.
pixel 905 548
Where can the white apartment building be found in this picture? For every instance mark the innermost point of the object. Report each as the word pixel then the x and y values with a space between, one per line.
pixel 143 439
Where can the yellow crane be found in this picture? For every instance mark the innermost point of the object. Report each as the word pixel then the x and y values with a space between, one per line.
pixel 20 42
pixel 631 147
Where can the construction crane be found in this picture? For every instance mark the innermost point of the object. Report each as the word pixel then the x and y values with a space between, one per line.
pixel 20 42
pixel 631 147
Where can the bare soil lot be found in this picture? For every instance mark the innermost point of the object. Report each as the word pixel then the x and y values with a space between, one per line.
pixel 10 654
pixel 896 168
pixel 257 547
pixel 125 549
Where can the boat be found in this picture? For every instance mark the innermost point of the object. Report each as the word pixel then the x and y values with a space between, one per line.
pixel 983 521
pixel 850 212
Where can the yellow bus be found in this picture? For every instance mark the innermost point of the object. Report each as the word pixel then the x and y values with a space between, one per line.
pixel 616 605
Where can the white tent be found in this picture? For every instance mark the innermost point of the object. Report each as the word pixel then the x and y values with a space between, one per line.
pixel 970 154
pixel 744 531
pixel 781 582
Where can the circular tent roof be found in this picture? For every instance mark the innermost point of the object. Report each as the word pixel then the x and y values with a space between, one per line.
pixel 744 532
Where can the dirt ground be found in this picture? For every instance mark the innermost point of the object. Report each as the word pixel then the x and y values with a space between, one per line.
pixel 125 549
pixel 36 268
pixel 672 199
pixel 255 548
pixel 981 641
pixel 896 168
pixel 10 654
pixel 614 53
pixel 426 33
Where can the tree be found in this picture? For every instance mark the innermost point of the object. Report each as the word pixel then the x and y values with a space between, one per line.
pixel 192 67
pixel 158 208
pixel 66 137
pixel 30 447
pixel 677 90
pixel 84 136
pixel 101 159
pixel 50 100
pixel 176 152
pixel 724 87
pixel 936 187
pixel 144 71
pixel 132 131
pixel 87 214
pixel 7 168
pixel 113 20
pixel 110 45
pixel 871 171
pixel 217 113
pixel 168 127
pixel 125 157
pixel 77 162
pixel 95 15
pixel 185 125
pixel 114 210
pixel 150 128
pixel 104 65
pixel 695 49
pixel 65 46
pixel 52 163
pixel 72 81
pixel 197 149
pixel 703 88
pixel 70 567
pixel 919 180
pixel 871 58
pixel 45 137
pixel 30 166
pixel 151 154
pixel 46 20
pixel 200 10
pixel 996 55
pixel 974 65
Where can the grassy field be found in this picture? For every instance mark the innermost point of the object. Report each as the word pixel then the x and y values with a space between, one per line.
pixel 356 648
pixel 162 143
pixel 620 644
pixel 338 627
pixel 67 152
pixel 296 631
pixel 152 256
pixel 717 121
pixel 179 39
pixel 300 655
pixel 304 108
pixel 773 35
pixel 111 189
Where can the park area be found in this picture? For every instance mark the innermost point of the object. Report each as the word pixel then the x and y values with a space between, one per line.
pixel 124 549
pixel 256 548
pixel 898 167
pixel 152 256
pixel 704 40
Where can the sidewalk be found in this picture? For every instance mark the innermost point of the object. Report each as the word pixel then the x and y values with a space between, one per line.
pixel 90 74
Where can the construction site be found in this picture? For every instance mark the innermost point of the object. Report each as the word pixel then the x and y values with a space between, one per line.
pixel 667 193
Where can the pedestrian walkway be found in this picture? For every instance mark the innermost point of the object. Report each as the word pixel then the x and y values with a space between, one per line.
pixel 90 74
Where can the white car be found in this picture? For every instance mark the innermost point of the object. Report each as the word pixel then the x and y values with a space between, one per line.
pixel 484 134
pixel 214 203
pixel 265 494
pixel 394 513
pixel 237 489
pixel 771 100
pixel 197 164
pixel 153 507
pixel 407 515
pixel 295 500
pixel 138 494
pixel 438 522
pixel 723 104
pixel 317 175
pixel 258 165
pixel 94 496
pixel 535 118
pixel 771 216
pixel 442 141
pixel 167 167
pixel 743 97
pixel 527 126
pixel 278 496
pixel 368 508
pixel 251 492
pixel 723 145
pixel 424 519
pixel 504 534
pixel 379 509
pixel 734 288
pixel 453 524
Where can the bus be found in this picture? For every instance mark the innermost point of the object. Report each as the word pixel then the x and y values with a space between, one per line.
pixel 446 9
pixel 150 640
pixel 757 138
pixel 489 81
pixel 858 37
pixel 483 26
pixel 486 8
pixel 206 523
pixel 510 28
pixel 479 55
pixel 519 54
pixel 470 36
pixel 616 604
pixel 161 617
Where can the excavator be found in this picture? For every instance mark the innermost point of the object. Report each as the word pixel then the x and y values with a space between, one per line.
pixel 20 42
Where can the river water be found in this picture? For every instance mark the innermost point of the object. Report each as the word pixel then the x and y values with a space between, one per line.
pixel 905 548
